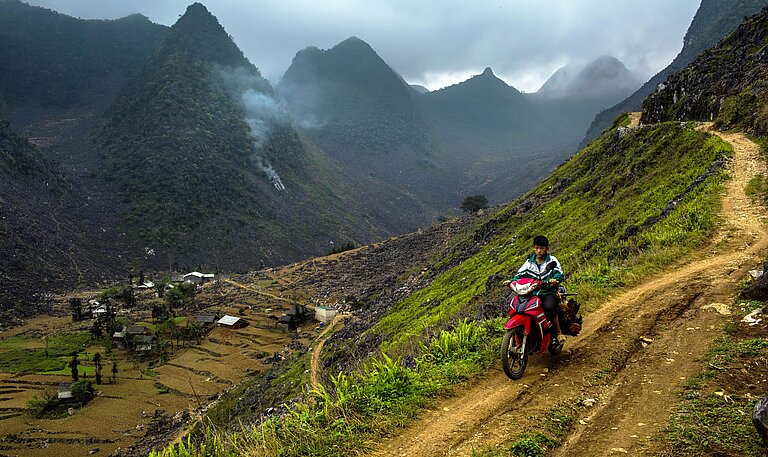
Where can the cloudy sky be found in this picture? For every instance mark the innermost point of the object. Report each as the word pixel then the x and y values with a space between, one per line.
pixel 438 42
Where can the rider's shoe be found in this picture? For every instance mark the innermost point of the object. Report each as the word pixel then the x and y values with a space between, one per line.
pixel 561 339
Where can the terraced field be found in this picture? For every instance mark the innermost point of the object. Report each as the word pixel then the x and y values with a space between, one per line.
pixel 143 404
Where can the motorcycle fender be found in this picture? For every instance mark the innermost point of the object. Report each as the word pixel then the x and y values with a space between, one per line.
pixel 519 319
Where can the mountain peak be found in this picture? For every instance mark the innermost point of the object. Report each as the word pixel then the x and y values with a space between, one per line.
pixel 353 45
pixel 488 81
pixel 197 9
pixel 197 19
pixel 605 67
pixel 199 35
pixel 604 75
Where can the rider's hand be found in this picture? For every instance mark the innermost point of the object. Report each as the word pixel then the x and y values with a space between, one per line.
pixel 553 281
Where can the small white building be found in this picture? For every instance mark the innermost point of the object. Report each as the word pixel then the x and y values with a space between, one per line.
pixel 231 322
pixel 325 313
pixel 65 391
pixel 198 278
pixel 146 285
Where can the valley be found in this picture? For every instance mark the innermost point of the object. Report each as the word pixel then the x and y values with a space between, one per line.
pixel 195 259
pixel 149 401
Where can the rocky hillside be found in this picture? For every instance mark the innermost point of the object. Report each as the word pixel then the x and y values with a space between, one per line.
pixel 44 242
pixel 713 21
pixel 59 75
pixel 728 83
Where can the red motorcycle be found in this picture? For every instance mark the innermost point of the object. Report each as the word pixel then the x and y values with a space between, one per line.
pixel 528 329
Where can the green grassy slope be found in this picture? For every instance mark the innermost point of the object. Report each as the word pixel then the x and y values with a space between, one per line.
pixel 602 211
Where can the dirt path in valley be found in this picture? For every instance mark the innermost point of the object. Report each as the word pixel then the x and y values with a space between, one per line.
pixel 632 357
pixel 314 366
pixel 266 294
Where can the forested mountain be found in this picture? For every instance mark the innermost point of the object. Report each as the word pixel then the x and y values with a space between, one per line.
pixel 58 76
pixel 498 139
pixel 353 101
pixel 210 165
pixel 361 112
pixel 53 59
pixel 713 20
pixel 728 83
pixel 480 136
pixel 482 113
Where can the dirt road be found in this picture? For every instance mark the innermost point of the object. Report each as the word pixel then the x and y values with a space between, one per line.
pixel 632 357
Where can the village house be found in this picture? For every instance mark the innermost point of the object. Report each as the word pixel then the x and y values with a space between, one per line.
pixel 325 314
pixel 129 332
pixel 143 343
pixel 146 285
pixel 232 322
pixel 294 317
pixel 136 330
pixel 97 310
pixel 198 278
pixel 206 320
pixel 65 391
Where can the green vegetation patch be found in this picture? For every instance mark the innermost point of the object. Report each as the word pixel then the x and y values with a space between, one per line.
pixel 20 342
pixel 713 425
pixel 50 358
pixel 26 361
pixel 620 210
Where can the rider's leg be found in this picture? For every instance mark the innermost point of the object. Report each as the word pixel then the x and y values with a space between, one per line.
pixel 549 305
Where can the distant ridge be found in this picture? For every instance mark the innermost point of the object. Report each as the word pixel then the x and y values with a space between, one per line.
pixel 354 99
pixel 51 59
pixel 604 77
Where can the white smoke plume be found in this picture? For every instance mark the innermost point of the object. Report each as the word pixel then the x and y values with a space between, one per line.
pixel 262 111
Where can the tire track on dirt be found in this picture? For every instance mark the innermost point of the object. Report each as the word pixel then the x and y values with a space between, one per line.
pixel 635 385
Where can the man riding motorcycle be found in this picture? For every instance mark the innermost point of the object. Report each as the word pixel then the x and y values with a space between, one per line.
pixel 535 267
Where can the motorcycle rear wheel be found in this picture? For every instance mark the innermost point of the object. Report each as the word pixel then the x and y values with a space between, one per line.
pixel 513 361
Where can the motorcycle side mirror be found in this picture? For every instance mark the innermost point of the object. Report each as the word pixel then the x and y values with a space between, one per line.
pixel 551 266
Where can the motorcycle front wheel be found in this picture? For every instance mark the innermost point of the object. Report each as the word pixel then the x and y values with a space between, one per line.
pixel 513 360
